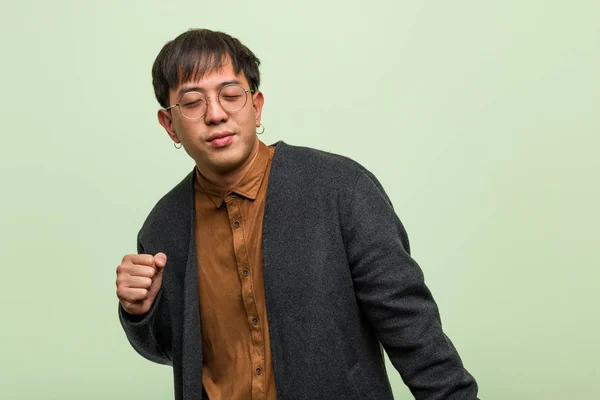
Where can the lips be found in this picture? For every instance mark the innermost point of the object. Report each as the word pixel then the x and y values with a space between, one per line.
pixel 220 140
pixel 219 135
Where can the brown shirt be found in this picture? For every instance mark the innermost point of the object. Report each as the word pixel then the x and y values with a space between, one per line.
pixel 236 349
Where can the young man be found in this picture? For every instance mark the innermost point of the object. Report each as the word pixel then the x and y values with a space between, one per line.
pixel 273 272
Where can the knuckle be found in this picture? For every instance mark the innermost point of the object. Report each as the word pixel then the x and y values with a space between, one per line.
pixel 143 294
pixel 120 269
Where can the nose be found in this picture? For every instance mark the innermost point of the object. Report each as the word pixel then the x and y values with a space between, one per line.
pixel 215 114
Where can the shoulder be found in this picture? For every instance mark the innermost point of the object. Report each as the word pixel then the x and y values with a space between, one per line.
pixel 321 173
pixel 307 163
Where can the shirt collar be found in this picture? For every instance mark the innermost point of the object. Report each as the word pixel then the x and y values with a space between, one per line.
pixel 249 185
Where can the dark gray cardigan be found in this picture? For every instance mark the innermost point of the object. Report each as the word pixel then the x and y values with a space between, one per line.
pixel 339 282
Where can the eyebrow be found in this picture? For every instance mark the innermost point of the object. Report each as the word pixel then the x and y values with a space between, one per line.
pixel 186 89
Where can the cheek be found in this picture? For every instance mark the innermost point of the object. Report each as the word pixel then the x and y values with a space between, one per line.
pixel 187 128
pixel 250 121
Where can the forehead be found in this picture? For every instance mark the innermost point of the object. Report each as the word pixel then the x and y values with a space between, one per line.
pixel 212 78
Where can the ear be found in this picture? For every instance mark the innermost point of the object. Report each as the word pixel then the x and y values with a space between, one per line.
pixel 164 118
pixel 257 101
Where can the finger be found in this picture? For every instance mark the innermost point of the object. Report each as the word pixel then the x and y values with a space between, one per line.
pixel 160 260
pixel 141 270
pixel 132 295
pixel 140 259
pixel 137 282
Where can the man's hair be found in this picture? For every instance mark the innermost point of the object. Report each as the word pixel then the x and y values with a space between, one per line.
pixel 196 52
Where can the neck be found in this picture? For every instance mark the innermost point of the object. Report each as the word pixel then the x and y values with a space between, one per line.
pixel 230 179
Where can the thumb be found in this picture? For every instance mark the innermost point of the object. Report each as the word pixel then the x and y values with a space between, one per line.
pixel 160 259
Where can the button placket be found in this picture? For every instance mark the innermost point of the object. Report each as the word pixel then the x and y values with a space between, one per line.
pixel 234 209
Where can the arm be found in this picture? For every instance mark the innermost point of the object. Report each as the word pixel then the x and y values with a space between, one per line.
pixel 390 288
pixel 144 313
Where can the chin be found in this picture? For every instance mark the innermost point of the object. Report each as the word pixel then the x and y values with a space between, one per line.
pixel 228 158
pixel 228 161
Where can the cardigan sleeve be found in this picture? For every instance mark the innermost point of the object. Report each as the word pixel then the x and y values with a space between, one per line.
pixel 390 289
pixel 148 333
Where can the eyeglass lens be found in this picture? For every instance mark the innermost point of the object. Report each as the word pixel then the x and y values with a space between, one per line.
pixel 193 105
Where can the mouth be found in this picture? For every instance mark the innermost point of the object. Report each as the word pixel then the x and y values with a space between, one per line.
pixel 220 139
pixel 219 135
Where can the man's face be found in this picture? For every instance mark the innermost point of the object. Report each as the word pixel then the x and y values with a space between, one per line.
pixel 221 141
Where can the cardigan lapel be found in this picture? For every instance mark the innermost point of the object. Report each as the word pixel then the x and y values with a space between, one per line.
pixel 192 332
pixel 272 258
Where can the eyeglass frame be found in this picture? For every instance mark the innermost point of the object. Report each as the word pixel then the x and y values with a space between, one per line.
pixel 246 91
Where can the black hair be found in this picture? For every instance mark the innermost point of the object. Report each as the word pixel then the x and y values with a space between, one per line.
pixel 196 52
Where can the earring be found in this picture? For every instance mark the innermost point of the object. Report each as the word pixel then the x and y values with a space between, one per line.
pixel 177 147
pixel 263 129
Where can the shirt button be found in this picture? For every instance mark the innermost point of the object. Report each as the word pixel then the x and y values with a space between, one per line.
pixel 245 272
pixel 255 321
pixel 258 371
pixel 236 223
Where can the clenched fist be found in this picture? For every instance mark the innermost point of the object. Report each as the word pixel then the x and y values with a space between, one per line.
pixel 139 277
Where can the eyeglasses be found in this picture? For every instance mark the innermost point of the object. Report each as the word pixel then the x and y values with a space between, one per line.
pixel 231 97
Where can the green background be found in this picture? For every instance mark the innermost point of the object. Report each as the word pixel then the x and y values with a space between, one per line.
pixel 481 119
